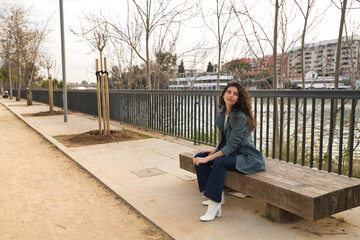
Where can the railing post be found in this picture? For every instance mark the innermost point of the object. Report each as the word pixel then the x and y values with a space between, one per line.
pixel 352 132
pixel 195 135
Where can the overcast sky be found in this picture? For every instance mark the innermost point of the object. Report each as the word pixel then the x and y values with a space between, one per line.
pixel 80 62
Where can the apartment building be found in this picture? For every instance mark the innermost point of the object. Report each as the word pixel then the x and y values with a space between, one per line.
pixel 199 80
pixel 321 56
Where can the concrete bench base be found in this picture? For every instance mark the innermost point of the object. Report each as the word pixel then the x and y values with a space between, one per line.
pixel 292 191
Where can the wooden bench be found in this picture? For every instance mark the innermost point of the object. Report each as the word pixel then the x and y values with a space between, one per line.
pixel 292 191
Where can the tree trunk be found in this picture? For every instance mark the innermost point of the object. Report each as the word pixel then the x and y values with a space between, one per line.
pixel 351 129
pixel 353 86
pixel 302 54
pixel 148 62
pixel 29 96
pixel 10 84
pixel 218 71
pixel 275 80
pixel 131 68
pixel 275 44
pixel 148 7
pixel 219 54
pixel 337 68
pixel 157 79
pixel 338 49
pixel 306 17
pixel 18 94
pixel 51 98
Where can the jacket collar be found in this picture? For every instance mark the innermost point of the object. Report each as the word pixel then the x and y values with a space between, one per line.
pixel 222 110
pixel 221 119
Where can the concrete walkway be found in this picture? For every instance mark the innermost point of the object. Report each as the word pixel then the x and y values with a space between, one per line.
pixel 146 174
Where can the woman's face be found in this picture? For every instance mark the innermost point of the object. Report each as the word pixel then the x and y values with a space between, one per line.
pixel 231 96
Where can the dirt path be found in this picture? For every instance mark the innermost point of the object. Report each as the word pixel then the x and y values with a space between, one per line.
pixel 45 195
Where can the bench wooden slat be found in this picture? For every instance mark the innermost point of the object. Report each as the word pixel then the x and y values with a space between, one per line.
pixel 292 185
pixel 318 179
pixel 304 188
pixel 303 191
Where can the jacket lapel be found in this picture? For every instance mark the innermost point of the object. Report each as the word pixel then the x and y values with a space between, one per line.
pixel 220 120
pixel 227 124
pixel 230 116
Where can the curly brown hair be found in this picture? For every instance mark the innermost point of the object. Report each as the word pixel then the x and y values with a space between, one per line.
pixel 243 103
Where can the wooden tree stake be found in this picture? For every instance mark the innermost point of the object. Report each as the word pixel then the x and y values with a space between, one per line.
pixel 98 95
pixel 107 98
pixel 103 96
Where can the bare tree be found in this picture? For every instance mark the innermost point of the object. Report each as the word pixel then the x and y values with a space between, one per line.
pixel 96 33
pixel 354 73
pixel 146 19
pixel 164 50
pixel 350 32
pixel 119 57
pixel 26 38
pixel 344 10
pixel 49 63
pixel 223 15
pixel 30 55
pixel 256 38
pixel 308 25
pixel 123 49
pixel 336 83
pixel 287 41
pixel 309 7
pixel 5 46
pixel 14 20
pixel 288 12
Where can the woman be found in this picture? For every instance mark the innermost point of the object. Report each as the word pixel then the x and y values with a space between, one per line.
pixel 235 152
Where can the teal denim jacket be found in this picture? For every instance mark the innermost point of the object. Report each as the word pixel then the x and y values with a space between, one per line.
pixel 236 140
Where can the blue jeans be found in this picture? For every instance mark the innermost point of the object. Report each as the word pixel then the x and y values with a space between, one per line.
pixel 211 175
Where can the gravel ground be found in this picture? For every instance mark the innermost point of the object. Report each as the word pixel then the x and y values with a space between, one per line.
pixel 45 195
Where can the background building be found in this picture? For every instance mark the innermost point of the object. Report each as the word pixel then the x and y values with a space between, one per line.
pixel 199 80
pixel 320 57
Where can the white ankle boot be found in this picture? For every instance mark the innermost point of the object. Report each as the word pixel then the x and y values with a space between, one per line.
pixel 214 210
pixel 205 203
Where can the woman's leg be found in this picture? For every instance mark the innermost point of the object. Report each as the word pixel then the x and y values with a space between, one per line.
pixel 216 178
pixel 202 172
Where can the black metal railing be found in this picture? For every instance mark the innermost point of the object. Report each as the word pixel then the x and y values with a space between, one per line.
pixel 315 128
pixel 318 127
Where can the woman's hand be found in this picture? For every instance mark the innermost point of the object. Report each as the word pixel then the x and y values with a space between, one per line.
pixel 213 151
pixel 205 151
pixel 208 151
pixel 198 160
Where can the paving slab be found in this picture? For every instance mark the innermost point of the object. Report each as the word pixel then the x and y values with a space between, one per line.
pixel 146 174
